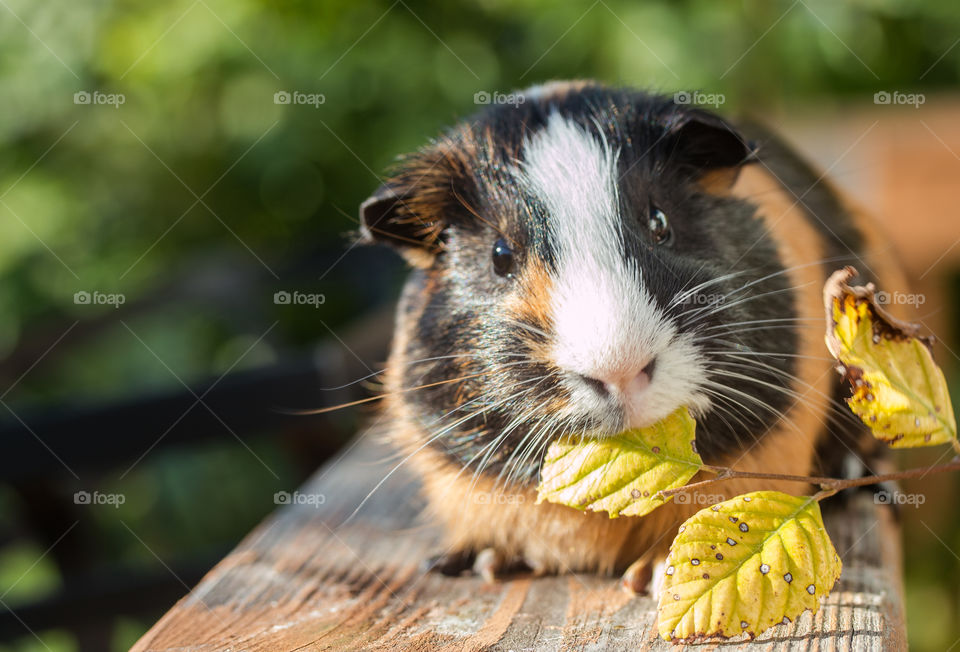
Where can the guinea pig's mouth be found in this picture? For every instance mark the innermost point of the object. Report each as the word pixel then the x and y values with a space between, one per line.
pixel 623 392
pixel 627 395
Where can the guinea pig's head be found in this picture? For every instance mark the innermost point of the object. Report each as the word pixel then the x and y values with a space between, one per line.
pixel 578 268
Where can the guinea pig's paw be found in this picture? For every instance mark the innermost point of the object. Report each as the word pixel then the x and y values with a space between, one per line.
pixel 452 563
pixel 659 574
pixel 636 579
pixel 488 564
pixel 492 564
pixel 644 576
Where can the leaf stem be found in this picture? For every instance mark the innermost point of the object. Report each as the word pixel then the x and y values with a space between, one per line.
pixel 828 486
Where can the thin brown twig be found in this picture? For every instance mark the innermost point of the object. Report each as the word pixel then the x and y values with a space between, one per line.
pixel 829 486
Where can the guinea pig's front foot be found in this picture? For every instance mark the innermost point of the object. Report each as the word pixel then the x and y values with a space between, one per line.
pixel 488 563
pixel 451 563
pixel 491 564
pixel 643 577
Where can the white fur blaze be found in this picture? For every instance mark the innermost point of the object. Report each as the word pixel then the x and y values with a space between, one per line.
pixel 607 326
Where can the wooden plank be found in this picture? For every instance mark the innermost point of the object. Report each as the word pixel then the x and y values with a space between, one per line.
pixel 311 577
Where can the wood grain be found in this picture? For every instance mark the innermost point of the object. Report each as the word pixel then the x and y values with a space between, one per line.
pixel 311 578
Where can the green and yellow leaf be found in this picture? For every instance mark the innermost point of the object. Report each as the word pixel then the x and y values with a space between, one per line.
pixel 621 474
pixel 898 389
pixel 745 565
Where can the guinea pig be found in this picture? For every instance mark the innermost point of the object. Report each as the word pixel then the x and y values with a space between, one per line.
pixel 589 261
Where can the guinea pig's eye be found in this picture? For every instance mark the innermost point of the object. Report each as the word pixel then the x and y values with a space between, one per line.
pixel 502 258
pixel 659 226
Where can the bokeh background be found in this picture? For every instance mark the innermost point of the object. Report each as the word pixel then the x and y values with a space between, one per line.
pixel 189 189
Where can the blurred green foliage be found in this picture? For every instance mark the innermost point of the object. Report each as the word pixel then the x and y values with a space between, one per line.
pixel 200 167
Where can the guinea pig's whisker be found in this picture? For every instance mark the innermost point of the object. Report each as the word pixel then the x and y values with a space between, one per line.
pixel 528 327
pixel 683 295
pixel 781 272
pixel 518 456
pixel 482 398
pixel 763 354
pixel 491 447
pixel 503 400
pixel 793 268
pixel 721 306
pixel 542 432
pixel 427 442
pixel 379 397
pixel 547 435
pixel 754 322
pixel 521 419
pixel 516 462
pixel 743 409
pixel 511 463
pixel 833 403
pixel 747 360
pixel 799 398
pixel 737 331
pixel 769 354
pixel 487 407
pixel 411 363
pixel 758 381
pixel 725 405
pixel 747 397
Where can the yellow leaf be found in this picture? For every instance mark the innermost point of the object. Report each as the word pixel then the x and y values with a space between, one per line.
pixel 745 565
pixel 623 473
pixel 898 389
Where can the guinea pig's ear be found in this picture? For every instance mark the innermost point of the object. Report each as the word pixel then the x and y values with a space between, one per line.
pixel 406 215
pixel 709 148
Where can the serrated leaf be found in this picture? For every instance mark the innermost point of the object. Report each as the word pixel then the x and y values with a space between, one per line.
pixel 898 389
pixel 745 565
pixel 621 474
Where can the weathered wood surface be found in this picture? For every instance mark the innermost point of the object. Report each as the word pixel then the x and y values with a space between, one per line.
pixel 309 579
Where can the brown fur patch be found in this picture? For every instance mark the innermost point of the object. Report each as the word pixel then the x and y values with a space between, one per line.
pixel 531 304
pixel 559 89
pixel 719 181
pixel 791 445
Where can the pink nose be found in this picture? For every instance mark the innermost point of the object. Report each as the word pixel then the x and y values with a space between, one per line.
pixel 624 386
pixel 629 391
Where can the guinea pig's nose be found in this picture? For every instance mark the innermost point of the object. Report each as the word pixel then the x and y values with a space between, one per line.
pixel 621 384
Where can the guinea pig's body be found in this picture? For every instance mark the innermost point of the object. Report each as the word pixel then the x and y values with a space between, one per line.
pixel 589 261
